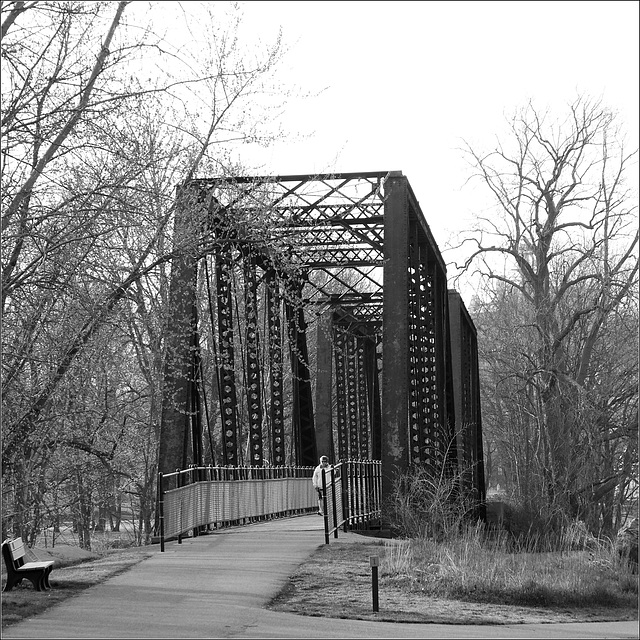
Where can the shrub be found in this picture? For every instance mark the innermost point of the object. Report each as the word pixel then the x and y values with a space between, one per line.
pixel 423 504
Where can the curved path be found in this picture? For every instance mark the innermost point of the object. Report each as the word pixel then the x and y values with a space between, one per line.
pixel 215 586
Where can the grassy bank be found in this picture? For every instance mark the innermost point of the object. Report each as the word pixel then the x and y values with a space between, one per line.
pixel 468 580
pixel 474 567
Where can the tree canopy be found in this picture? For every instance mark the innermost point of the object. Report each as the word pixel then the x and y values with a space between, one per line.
pixel 557 311
pixel 102 118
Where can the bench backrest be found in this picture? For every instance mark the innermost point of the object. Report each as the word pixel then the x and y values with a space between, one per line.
pixel 16 551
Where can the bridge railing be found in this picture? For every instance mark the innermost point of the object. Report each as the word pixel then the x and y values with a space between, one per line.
pixel 201 497
pixel 198 498
pixel 352 492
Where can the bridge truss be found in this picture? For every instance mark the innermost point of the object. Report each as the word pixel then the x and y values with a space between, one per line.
pixel 311 315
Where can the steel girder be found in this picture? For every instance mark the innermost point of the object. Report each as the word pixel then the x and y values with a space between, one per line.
pixel 276 406
pixel 179 425
pixel 430 409
pixel 252 366
pixel 417 384
pixel 464 348
pixel 302 406
pixel 357 394
pixel 226 358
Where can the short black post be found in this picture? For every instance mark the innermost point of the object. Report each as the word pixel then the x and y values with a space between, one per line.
pixel 374 561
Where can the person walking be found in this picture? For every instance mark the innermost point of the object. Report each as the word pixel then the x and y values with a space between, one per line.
pixel 323 467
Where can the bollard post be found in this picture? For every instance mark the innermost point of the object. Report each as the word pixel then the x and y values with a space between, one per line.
pixel 374 561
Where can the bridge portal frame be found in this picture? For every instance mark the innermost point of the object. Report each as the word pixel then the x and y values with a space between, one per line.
pixel 356 250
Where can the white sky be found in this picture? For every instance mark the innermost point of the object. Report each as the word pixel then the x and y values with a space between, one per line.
pixel 407 81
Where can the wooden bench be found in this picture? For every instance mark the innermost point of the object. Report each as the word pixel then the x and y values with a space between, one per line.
pixel 14 554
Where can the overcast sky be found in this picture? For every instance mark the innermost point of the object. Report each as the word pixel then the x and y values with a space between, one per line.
pixel 406 82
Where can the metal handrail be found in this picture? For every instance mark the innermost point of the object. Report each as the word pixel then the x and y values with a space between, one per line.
pixel 201 497
pixel 353 501
pixel 198 498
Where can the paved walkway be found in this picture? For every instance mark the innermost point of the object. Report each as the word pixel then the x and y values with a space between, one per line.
pixel 216 586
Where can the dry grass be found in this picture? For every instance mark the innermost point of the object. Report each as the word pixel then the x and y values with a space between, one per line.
pixel 337 582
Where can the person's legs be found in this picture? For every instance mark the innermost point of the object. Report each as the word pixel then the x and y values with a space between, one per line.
pixel 320 503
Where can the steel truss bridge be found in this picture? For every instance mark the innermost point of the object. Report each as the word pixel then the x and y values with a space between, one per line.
pixel 311 315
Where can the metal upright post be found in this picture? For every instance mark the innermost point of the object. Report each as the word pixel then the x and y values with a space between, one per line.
pixel 324 383
pixel 161 510
pixel 333 502
pixel 325 512
pixel 395 339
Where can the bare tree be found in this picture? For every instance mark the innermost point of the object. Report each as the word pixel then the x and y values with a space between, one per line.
pixel 101 119
pixel 558 267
